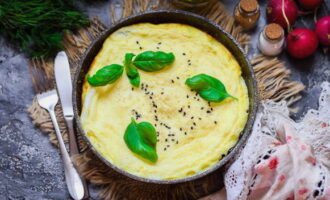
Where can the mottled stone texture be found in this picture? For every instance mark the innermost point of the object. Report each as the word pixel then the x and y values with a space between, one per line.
pixel 30 167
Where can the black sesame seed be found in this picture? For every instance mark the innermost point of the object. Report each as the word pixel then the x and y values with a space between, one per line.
pixel 168 145
pixel 192 118
pixel 150 97
pixel 189 64
pixel 177 142
pixel 194 124
pixel 157 47
pixel 215 122
pixel 200 118
pixel 208 111
pixel 187 96
pixel 191 128
pixel 188 106
pixel 140 48
pixel 177 77
pixel 159 43
pixel 180 129
pixel 168 134
pixel 189 60
pixel 132 89
pixel 162 93
pixel 185 133
pixel 184 113
pixel 173 140
pixel 184 54
pixel 137 42
pixel 166 140
pixel 202 108
pixel 164 149
pixel 211 109
pixel 172 81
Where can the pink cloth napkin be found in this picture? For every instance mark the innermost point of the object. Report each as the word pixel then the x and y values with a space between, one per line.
pixel 289 170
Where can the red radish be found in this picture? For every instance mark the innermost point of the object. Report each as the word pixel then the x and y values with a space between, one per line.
pixel 322 30
pixel 282 12
pixel 302 42
pixel 310 4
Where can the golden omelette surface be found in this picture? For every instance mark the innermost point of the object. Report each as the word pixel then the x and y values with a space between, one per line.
pixel 192 134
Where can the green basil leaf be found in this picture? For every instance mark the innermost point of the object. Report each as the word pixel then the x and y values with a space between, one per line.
pixel 197 83
pixel 106 75
pixel 131 72
pixel 148 133
pixel 141 139
pixel 151 61
pixel 208 87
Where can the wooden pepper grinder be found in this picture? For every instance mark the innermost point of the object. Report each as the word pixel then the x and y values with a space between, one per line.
pixel 247 13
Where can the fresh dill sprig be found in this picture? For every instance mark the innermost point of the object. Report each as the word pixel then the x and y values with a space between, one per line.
pixel 37 26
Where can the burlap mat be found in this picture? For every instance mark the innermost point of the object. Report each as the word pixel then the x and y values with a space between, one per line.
pixel 273 83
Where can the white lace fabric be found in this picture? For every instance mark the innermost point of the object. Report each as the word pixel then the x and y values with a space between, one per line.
pixel 313 129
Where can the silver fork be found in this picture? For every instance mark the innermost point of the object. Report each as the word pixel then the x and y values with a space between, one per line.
pixel 47 98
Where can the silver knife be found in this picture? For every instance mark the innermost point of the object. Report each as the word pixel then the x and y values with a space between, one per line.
pixel 64 88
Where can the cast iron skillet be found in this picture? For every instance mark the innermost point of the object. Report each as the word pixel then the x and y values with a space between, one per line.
pixel 166 16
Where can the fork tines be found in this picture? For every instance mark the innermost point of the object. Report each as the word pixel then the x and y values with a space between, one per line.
pixel 41 77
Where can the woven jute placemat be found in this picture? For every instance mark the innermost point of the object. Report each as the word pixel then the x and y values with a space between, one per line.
pixel 273 83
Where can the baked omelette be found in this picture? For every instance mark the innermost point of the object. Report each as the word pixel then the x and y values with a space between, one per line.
pixel 192 133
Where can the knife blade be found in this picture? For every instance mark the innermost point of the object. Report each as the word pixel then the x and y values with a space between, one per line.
pixel 64 88
pixel 64 83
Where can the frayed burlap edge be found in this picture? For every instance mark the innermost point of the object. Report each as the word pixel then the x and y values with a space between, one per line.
pixel 273 83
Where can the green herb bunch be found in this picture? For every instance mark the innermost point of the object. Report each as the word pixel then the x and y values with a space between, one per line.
pixel 37 26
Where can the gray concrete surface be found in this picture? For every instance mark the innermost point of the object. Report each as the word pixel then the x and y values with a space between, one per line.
pixel 30 167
